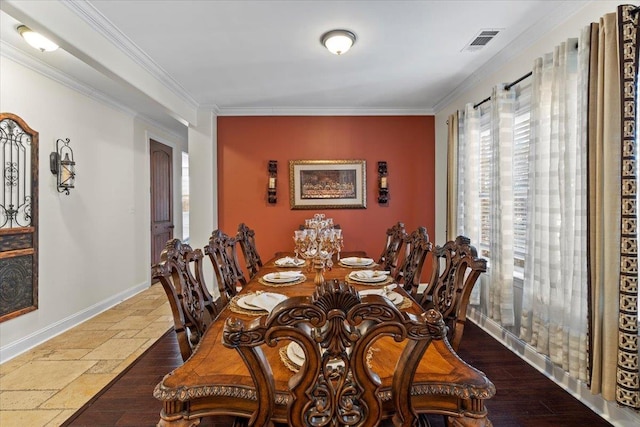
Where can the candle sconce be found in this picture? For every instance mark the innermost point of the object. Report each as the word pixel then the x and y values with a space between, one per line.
pixel 271 188
pixel 383 189
pixel 63 166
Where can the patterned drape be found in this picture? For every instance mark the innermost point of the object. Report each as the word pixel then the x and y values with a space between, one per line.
pixel 628 375
pixel 612 188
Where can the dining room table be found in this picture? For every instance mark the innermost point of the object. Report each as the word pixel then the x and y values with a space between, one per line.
pixel 216 381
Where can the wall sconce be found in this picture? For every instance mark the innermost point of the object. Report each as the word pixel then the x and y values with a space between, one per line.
pixel 383 189
pixel 63 166
pixel 273 175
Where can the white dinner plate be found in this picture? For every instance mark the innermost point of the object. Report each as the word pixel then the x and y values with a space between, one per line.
pixel 284 277
pixel 295 353
pixel 289 262
pixel 395 297
pixel 264 301
pixel 356 261
pixel 359 277
pixel 245 302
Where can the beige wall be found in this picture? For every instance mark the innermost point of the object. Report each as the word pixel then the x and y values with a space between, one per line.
pixel 94 248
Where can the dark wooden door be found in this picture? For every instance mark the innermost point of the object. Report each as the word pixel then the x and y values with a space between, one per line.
pixel 18 217
pixel 161 198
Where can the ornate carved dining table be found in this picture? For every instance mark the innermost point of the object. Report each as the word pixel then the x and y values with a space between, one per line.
pixel 216 381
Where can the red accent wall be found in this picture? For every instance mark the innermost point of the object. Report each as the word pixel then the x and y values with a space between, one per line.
pixel 246 144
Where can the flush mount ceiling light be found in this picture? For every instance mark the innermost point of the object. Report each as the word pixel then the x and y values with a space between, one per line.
pixel 36 40
pixel 338 41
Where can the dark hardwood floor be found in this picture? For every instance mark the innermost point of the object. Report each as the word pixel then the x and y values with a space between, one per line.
pixel 524 397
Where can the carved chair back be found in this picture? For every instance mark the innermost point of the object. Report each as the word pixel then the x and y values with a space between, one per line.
pixel 223 254
pixel 409 272
pixel 396 237
pixel 180 273
pixel 456 268
pixel 335 328
pixel 246 237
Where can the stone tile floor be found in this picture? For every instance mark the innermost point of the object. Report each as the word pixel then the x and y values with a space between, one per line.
pixel 46 385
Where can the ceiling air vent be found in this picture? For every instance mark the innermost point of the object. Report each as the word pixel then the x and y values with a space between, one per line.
pixel 481 39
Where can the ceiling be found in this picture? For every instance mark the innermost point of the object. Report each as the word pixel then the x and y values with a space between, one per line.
pixel 166 59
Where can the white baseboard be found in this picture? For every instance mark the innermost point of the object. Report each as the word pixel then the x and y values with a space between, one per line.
pixel 609 411
pixel 18 347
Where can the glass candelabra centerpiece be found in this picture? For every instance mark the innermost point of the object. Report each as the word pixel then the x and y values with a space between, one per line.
pixel 317 243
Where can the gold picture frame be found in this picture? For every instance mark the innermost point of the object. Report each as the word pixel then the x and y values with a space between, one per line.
pixel 328 184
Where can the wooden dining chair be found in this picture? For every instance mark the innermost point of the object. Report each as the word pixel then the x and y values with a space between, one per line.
pixel 246 237
pixel 396 237
pixel 456 268
pixel 193 308
pixel 409 272
pixel 222 251
pixel 335 327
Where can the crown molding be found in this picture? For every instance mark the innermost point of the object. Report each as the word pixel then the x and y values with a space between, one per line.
pixel 35 64
pixel 528 38
pixel 320 111
pixel 20 57
pixel 88 13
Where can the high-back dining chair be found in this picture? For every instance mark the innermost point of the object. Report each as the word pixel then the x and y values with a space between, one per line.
pixel 246 237
pixel 223 254
pixel 456 268
pixel 193 308
pixel 335 328
pixel 396 236
pixel 410 270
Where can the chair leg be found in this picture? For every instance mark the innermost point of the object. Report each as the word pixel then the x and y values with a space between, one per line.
pixel 240 422
pixel 423 421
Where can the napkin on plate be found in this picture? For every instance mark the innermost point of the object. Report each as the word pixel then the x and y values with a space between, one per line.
pixel 288 261
pixel 369 274
pixel 380 291
pixel 357 260
pixel 267 300
pixel 285 274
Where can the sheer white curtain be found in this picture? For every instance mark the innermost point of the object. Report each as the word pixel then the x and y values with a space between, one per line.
pixel 554 308
pixel 485 204
pixel 501 197
pixel 468 184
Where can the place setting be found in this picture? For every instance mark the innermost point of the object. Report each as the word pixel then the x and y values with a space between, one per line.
pixel 369 277
pixel 283 278
pixel 388 292
pixel 357 262
pixel 256 303
pixel 289 262
pixel 292 355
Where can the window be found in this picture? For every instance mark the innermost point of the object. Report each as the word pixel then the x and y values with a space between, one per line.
pixel 520 165
pixel 485 179
pixel 521 140
pixel 185 197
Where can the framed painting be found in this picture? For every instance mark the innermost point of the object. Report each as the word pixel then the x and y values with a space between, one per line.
pixel 327 184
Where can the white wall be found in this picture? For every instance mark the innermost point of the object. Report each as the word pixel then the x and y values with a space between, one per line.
pixel 94 246
pixel 515 68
